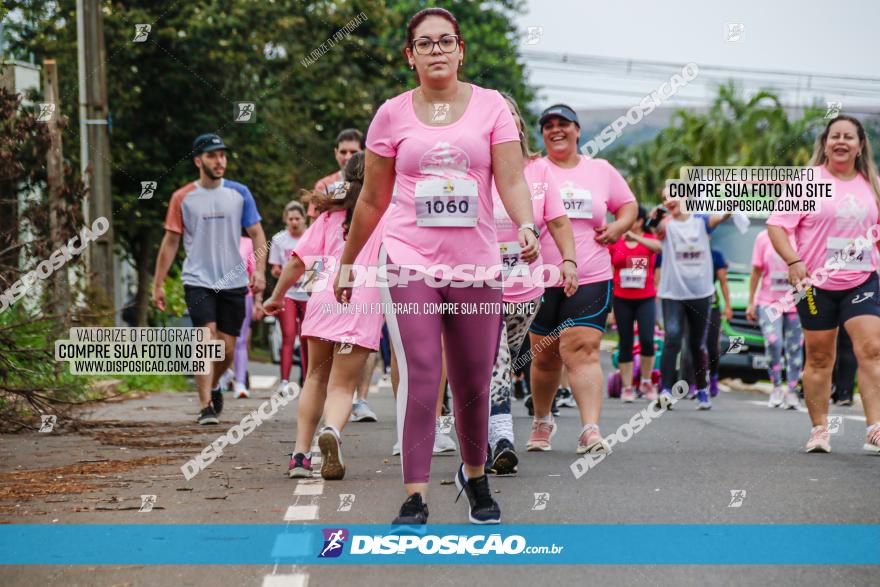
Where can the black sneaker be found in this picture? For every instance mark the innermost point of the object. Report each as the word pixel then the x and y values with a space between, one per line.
pixel 482 509
pixel 519 389
pixel 217 400
pixel 487 468
pixel 504 459
pixel 530 406
pixel 208 416
pixel 564 398
pixel 554 408
pixel 413 511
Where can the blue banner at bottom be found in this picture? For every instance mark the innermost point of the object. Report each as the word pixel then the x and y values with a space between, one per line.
pixel 257 544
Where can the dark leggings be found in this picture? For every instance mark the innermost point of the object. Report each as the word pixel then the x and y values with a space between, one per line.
pixel 626 313
pixel 845 367
pixel 680 316
pixel 712 349
pixel 385 348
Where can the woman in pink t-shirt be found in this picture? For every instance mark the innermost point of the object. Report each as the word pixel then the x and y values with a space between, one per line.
pixel 568 328
pixel 783 336
pixel 340 339
pixel 442 143
pixel 523 291
pixel 836 258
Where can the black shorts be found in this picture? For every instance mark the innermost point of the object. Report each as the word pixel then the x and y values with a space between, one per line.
pixel 589 306
pixel 225 307
pixel 822 309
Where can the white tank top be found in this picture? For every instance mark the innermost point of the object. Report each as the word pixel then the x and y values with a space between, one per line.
pixel 686 271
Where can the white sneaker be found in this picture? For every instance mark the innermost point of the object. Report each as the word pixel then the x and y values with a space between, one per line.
pixel 361 412
pixel 777 396
pixel 226 379
pixel 384 382
pixel 443 443
pixel 395 450
pixel 241 391
pixel 282 387
pixel 792 401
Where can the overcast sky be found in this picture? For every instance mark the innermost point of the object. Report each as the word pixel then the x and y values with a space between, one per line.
pixel 809 36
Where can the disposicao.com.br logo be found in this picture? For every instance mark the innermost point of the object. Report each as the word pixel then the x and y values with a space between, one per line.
pixel 430 544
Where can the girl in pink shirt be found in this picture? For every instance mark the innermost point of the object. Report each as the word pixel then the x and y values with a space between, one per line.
pixel 836 258
pixel 781 336
pixel 339 340
pixel 568 326
pixel 442 143
pixel 522 291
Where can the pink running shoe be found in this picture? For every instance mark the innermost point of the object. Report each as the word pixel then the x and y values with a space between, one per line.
pixel 648 390
pixel 818 441
pixel 542 432
pixel 628 396
pixel 591 441
pixel 872 440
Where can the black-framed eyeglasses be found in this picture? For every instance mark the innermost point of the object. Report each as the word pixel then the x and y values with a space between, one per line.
pixel 425 46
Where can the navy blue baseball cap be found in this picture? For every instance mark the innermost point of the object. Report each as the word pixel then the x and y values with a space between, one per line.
pixel 208 142
pixel 560 110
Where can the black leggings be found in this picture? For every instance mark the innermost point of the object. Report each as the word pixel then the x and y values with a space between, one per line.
pixel 845 368
pixel 712 348
pixel 626 313
pixel 678 316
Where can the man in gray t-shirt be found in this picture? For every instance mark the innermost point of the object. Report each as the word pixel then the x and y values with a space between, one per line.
pixel 210 214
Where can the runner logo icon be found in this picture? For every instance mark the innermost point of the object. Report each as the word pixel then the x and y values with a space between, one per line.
pixel 737 497
pixel 736 344
pixel 334 540
pixel 47 423
pixel 148 188
pixel 861 298
pixel 141 32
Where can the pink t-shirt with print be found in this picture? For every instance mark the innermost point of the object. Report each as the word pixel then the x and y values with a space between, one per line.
pixel 774 271
pixel 444 172
pixel 587 191
pixel 840 219
pixel 546 206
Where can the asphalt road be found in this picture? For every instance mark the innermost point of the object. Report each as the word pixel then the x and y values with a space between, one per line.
pixel 681 469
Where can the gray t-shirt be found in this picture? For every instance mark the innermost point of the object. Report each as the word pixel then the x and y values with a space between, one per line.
pixel 211 222
pixel 687 260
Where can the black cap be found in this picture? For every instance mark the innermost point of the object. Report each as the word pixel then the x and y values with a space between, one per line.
pixel 560 110
pixel 208 142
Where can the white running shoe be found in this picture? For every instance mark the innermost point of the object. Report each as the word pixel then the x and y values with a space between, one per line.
pixel 361 412
pixel 443 442
pixel 226 379
pixel 777 397
pixel 792 401
pixel 282 386
pixel 241 391
pixel 819 441
pixel 395 450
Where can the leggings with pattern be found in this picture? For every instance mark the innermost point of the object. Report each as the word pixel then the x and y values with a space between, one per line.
pixel 517 320
pixel 783 336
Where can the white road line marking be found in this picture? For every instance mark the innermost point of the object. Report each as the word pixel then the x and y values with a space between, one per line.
pixel 298 580
pixel 299 513
pixel 310 488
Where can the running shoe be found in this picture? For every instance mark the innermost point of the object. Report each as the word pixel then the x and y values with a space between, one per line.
pixel 208 416
pixel 819 441
pixel 628 396
pixel 648 390
pixel 332 466
pixel 482 509
pixel 845 402
pixel 703 402
pixel 217 400
pixel 241 391
pixel 395 450
pixel 504 459
pixel 792 401
pixel 692 392
pixel 872 439
pixel 530 406
pixel 226 378
pixel 361 412
pixel 564 398
pixel 282 387
pixel 542 432
pixel 591 441
pixel 413 511
pixel 300 466
pixel 777 397
pixel 665 399
pixel 443 443
pixel 554 407
pixel 519 389
pixel 713 385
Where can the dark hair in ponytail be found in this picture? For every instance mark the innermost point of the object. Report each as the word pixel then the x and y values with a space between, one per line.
pixel 354 181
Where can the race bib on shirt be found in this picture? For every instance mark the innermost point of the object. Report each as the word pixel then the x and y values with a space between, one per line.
pixel 577 203
pixel 633 278
pixel 779 281
pixel 447 203
pixel 860 261
pixel 510 258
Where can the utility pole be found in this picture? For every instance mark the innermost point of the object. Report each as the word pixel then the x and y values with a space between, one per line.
pixel 59 286
pixel 94 113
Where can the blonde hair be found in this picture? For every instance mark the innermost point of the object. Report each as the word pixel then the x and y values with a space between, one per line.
pixel 523 137
pixel 865 159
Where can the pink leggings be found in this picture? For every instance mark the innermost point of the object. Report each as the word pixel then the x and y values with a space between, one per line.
pixel 471 346
pixel 291 327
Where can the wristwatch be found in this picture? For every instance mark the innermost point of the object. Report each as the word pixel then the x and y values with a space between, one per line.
pixel 533 228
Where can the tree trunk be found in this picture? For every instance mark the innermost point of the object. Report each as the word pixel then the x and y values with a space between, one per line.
pixel 144 263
